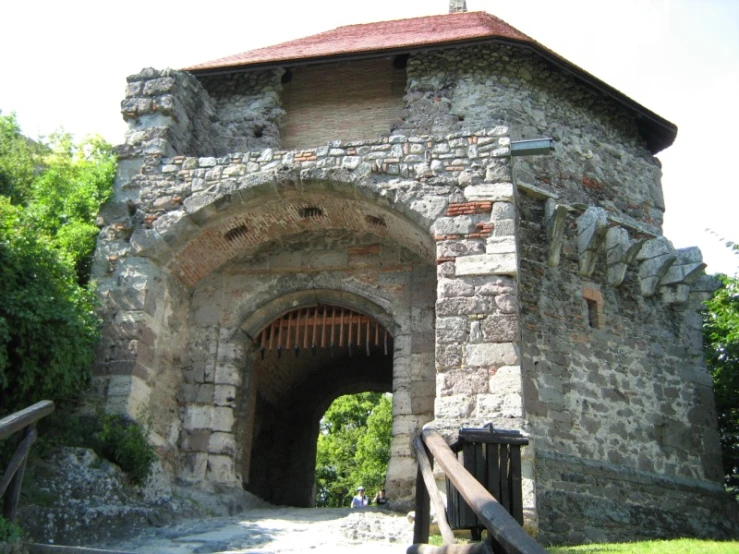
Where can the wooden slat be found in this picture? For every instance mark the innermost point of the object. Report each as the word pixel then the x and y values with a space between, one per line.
pixel 497 520
pixel 18 420
pixel 505 498
pixel 515 481
pixel 305 332
pixel 422 521
pixel 432 490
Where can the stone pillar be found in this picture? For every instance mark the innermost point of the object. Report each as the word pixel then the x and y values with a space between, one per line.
pixel 477 326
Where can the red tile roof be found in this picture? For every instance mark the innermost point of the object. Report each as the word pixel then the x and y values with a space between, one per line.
pixel 376 37
pixel 406 35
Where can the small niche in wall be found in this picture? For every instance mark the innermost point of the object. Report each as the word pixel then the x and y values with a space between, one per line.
pixel 310 212
pixel 236 232
pixel 593 306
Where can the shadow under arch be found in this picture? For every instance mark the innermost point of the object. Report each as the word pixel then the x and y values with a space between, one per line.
pixel 279 444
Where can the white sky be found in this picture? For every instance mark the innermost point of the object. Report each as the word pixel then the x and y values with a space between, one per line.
pixel 64 65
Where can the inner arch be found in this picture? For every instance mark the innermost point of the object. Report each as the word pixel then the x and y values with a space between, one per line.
pixel 297 375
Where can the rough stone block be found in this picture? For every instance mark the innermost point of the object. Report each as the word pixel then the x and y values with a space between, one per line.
pixel 460 225
pixel 222 443
pixel 503 210
pixel 194 467
pixel 448 355
pixel 227 374
pixel 487 264
pixel 454 248
pixel 500 245
pixel 452 330
pixel 220 469
pixel 222 419
pixel 457 407
pixel 467 382
pixel 491 354
pixel 501 328
pixel 197 417
pixel 462 306
pixel 498 192
pixel 451 288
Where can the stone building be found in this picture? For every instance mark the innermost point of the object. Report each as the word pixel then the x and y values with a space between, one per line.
pixel 343 213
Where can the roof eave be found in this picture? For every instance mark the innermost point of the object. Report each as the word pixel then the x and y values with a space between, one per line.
pixel 658 132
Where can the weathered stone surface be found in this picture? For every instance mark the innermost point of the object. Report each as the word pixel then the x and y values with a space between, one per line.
pixel 491 354
pixel 498 192
pixel 487 264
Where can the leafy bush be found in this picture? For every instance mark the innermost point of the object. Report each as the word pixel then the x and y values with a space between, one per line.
pixel 10 532
pixel 124 442
pixel 50 194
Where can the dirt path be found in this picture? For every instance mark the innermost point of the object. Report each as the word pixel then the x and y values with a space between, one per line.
pixel 279 530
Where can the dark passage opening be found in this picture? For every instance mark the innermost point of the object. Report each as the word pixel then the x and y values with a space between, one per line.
pixel 298 374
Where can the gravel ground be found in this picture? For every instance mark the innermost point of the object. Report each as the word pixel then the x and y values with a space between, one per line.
pixel 280 530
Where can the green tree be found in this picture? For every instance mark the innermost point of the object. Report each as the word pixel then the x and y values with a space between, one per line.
pixel 49 197
pixel 353 447
pixel 721 347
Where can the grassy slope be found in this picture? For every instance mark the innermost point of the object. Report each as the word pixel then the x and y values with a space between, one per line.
pixel 681 546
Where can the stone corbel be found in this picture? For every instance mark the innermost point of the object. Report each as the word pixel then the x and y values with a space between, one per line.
pixel 675 284
pixel 656 257
pixel 620 252
pixel 556 216
pixel 592 226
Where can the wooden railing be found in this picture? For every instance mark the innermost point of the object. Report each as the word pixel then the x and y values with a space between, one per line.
pixel 12 479
pixel 505 534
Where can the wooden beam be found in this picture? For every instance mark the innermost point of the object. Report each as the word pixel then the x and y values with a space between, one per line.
pixel 496 519
pixel 19 420
pixel 433 491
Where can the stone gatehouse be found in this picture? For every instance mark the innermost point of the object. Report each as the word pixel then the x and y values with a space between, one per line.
pixel 292 224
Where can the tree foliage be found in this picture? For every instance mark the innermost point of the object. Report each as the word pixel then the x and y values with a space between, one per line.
pixel 721 347
pixel 353 447
pixel 50 194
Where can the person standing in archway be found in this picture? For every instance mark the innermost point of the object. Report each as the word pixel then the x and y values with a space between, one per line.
pixel 360 501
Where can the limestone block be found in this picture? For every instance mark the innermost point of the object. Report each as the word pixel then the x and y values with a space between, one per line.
pixel 197 417
pixel 175 227
pixel 224 395
pixel 500 245
pixel 227 374
pixel 687 267
pixel 452 330
pixel 654 248
pixel 491 406
pixel 430 206
pixel 657 257
pixel 498 172
pixel 503 210
pixel 460 225
pixel 467 382
pixel 493 286
pixel 222 419
pixel 498 192
pixel 220 469
pixel 592 227
pixel 194 466
pixel 452 288
pixel 504 228
pixel 422 366
pixel 501 328
pixel 487 264
pixel 491 354
pixel 675 294
pixel 448 355
pixel 556 219
pixel 406 424
pixel 507 303
pixel 454 248
pixel 222 443
pixel 463 306
pixel 453 407
pixel 620 252
pixel 402 402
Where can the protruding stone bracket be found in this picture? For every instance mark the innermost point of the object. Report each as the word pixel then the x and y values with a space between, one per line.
pixel 675 284
pixel 620 252
pixel 556 216
pixel 656 257
pixel 592 226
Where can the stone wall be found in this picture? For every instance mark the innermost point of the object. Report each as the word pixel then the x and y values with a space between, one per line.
pixel 599 156
pixel 248 111
pixel 558 308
